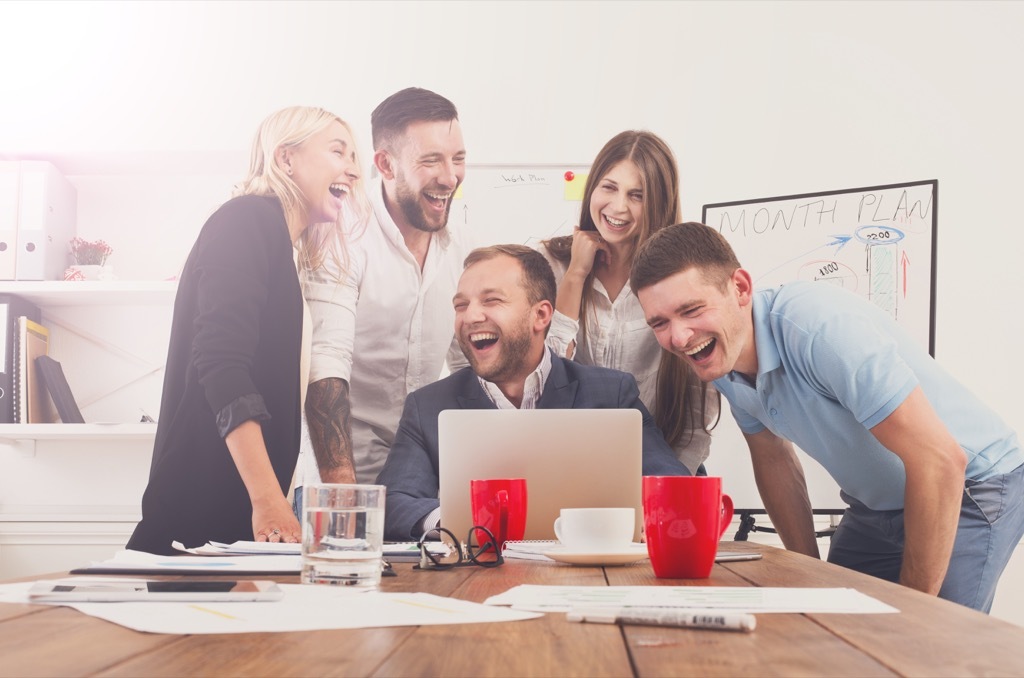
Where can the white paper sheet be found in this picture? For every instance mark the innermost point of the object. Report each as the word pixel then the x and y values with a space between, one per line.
pixel 304 608
pixel 738 598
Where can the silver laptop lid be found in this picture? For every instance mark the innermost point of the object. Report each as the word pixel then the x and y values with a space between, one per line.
pixel 569 458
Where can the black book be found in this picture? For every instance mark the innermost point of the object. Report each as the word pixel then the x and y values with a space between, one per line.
pixel 11 308
pixel 52 376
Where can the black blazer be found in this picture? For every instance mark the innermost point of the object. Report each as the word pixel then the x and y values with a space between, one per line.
pixel 235 344
pixel 411 474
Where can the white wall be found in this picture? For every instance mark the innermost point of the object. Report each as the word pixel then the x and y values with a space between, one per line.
pixel 757 99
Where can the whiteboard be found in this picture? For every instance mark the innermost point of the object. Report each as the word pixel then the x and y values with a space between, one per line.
pixel 518 203
pixel 877 241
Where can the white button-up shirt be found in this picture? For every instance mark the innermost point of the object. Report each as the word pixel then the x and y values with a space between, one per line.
pixel 386 327
pixel 533 387
pixel 618 337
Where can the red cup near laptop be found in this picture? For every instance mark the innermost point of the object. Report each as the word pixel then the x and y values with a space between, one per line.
pixel 684 518
pixel 499 504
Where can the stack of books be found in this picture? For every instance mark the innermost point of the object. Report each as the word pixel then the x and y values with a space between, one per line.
pixel 33 388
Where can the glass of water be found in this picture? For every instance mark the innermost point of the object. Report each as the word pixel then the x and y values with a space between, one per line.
pixel 343 535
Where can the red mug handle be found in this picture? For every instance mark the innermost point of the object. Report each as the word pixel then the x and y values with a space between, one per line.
pixel 726 514
pixel 503 516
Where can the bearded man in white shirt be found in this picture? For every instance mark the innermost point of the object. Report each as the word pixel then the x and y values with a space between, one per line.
pixel 382 321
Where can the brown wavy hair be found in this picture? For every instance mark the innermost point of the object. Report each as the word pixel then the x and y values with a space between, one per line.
pixel 675 411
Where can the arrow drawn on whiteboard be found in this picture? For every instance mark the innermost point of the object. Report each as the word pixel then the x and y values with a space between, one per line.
pixel 904 263
pixel 839 240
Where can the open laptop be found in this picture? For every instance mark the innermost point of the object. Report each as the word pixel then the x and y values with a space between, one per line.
pixel 570 459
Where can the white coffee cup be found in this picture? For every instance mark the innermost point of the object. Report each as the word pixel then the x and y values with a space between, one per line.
pixel 595 530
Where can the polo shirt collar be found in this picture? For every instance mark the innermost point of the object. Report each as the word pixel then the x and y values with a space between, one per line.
pixel 768 357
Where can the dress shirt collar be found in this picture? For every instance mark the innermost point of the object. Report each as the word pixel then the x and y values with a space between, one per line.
pixel 532 389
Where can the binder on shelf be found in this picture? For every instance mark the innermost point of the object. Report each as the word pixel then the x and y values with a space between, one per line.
pixel 29 397
pixel 51 377
pixel 9 194
pixel 11 308
pixel 47 204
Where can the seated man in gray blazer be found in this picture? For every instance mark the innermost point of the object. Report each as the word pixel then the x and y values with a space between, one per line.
pixel 503 308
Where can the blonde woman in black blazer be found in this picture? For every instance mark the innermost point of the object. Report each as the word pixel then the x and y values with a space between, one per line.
pixel 228 433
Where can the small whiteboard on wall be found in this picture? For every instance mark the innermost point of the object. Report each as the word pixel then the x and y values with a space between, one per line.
pixel 879 242
pixel 520 204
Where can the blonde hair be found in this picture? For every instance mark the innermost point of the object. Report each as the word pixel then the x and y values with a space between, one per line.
pixel 291 127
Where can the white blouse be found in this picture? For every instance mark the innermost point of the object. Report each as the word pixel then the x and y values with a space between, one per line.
pixel 618 337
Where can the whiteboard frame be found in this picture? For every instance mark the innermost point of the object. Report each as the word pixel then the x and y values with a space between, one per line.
pixel 933 259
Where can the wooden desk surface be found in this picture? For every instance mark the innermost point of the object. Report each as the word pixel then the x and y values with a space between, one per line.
pixel 929 637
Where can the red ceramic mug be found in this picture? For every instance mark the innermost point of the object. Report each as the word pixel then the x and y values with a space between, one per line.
pixel 684 518
pixel 499 504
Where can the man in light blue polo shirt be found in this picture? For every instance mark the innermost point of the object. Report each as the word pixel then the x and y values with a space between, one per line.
pixel 933 478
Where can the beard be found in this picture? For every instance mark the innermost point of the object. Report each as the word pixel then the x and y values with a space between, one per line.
pixel 514 352
pixel 409 203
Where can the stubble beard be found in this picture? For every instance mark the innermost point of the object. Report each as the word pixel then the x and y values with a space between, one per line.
pixel 515 350
pixel 409 203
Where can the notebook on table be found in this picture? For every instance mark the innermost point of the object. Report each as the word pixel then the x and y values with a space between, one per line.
pixel 569 458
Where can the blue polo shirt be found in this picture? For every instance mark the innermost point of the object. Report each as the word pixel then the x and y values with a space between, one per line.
pixel 830 366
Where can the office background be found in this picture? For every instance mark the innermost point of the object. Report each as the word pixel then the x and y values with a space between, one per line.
pixel 150 107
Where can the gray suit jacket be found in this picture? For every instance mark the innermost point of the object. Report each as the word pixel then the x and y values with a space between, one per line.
pixel 411 474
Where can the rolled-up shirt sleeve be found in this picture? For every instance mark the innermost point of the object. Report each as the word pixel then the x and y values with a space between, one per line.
pixel 562 333
pixel 247 407
pixel 332 297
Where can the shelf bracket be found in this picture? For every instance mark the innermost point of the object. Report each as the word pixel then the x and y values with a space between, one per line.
pixel 22 447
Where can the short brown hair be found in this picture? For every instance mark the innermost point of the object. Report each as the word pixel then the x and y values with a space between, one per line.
pixel 538 278
pixel 679 248
pixel 413 104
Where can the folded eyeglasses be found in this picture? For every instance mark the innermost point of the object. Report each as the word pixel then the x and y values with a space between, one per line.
pixel 480 548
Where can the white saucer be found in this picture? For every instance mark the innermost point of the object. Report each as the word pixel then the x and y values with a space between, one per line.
pixel 633 554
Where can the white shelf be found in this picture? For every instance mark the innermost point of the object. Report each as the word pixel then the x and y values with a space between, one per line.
pixel 76 432
pixel 93 293
pixel 146 163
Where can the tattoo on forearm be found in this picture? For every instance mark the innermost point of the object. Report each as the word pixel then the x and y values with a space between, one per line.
pixel 328 414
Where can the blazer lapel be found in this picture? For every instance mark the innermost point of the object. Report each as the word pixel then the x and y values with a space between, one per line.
pixel 559 391
pixel 471 396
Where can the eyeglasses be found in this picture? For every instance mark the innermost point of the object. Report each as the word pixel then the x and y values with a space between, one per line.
pixel 485 553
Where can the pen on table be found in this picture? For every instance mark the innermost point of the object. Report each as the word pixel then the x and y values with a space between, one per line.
pixel 666 616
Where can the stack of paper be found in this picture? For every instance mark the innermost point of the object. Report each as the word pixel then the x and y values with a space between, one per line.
pixel 241 548
pixel 137 562
pixel 396 552
pixel 529 550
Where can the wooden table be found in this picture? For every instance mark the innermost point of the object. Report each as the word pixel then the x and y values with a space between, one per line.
pixel 929 637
